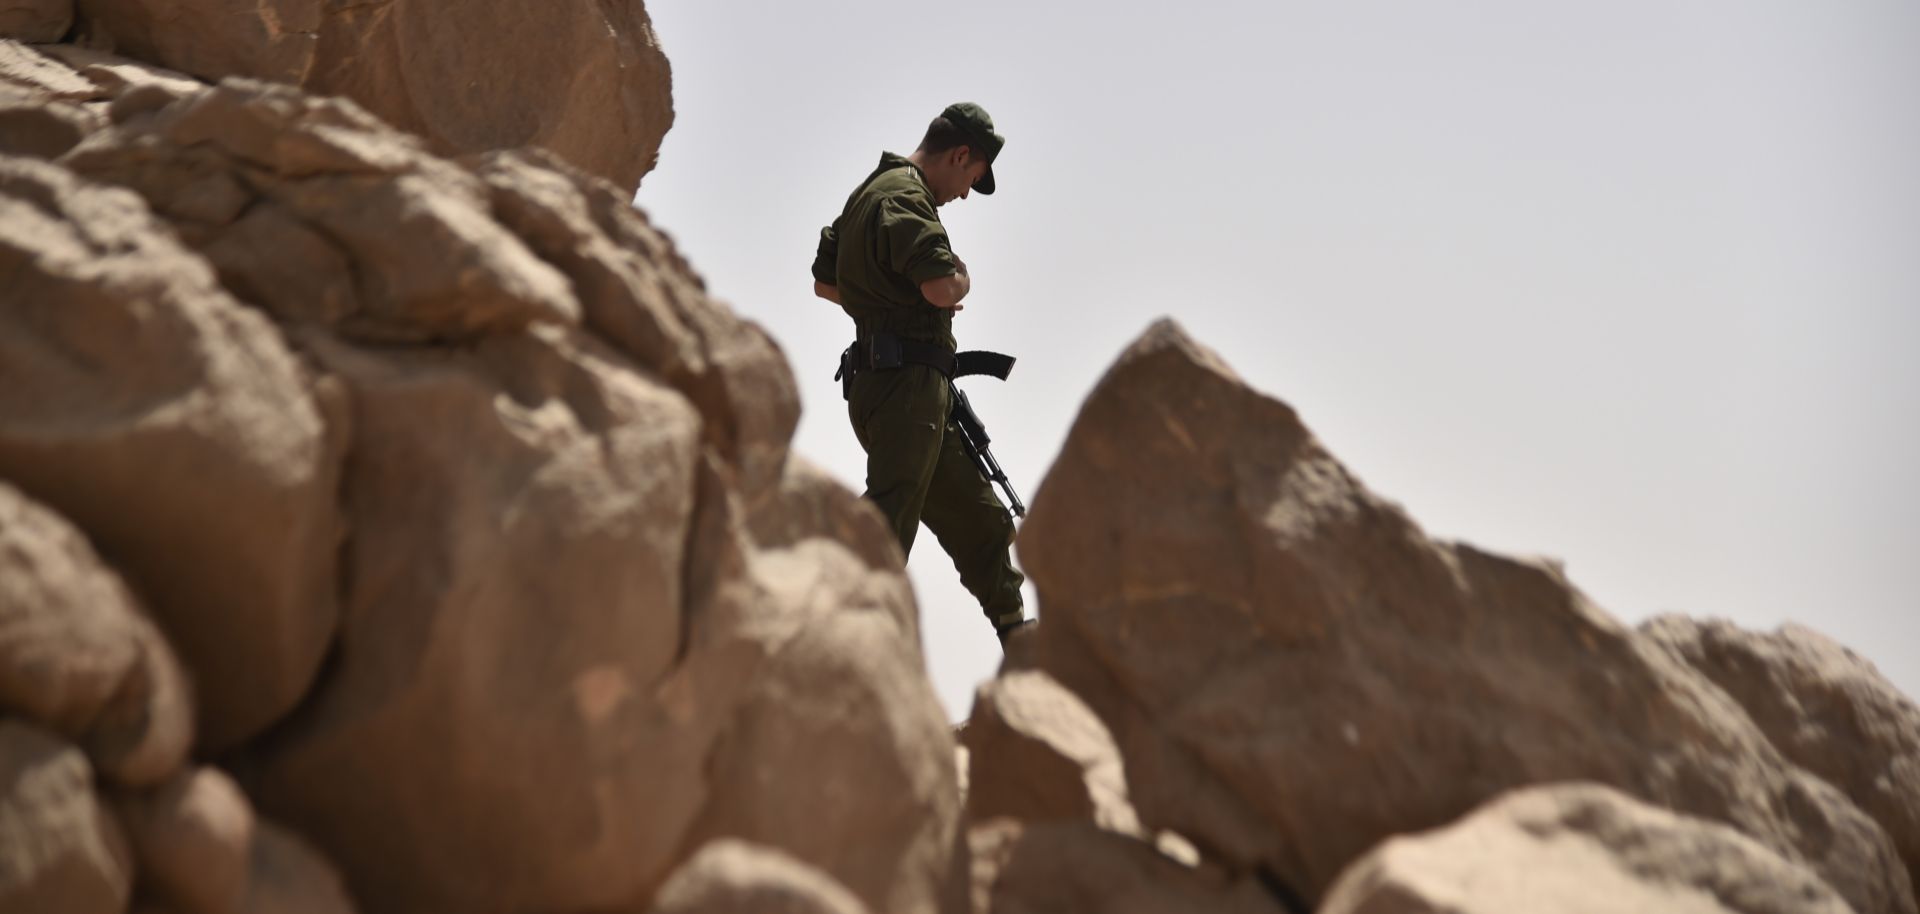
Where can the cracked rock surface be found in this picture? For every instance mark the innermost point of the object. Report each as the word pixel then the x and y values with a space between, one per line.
pixel 470 515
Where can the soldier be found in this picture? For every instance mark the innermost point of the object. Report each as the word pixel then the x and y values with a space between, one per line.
pixel 887 263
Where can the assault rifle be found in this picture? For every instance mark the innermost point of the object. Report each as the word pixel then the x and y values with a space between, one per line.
pixel 973 432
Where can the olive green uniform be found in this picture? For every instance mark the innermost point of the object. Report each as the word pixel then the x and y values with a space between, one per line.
pixel 886 242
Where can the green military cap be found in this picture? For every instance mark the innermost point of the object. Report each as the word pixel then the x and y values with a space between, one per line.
pixel 973 120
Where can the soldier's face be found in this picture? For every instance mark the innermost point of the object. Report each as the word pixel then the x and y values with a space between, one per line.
pixel 961 171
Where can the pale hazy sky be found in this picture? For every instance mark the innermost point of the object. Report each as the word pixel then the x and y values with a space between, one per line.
pixel 1634 284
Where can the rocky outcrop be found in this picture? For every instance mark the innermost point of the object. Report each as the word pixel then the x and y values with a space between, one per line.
pixel 731 875
pixel 583 613
pixel 585 80
pixel 1295 672
pixel 1823 706
pixel 1581 849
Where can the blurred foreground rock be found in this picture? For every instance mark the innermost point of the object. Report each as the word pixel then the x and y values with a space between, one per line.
pixel 1823 706
pixel 731 876
pixel 1294 672
pixel 1578 849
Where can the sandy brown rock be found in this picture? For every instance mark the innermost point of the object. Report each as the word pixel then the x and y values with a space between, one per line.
pixel 26 67
pixel 636 291
pixel 1074 866
pixel 514 599
pixel 583 579
pixel 36 127
pixel 1036 753
pixel 585 80
pixel 285 875
pixel 77 655
pixel 730 876
pixel 37 21
pixel 1824 707
pixel 192 839
pixel 314 210
pixel 59 848
pixel 177 430
pixel 275 39
pixel 1578 849
pixel 1294 671
pixel 842 715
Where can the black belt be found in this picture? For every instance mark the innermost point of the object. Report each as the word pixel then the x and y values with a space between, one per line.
pixel 884 351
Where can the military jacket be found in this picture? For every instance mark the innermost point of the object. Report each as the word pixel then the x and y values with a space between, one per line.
pixel 887 241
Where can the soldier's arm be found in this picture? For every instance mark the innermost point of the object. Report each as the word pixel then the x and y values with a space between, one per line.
pixel 830 293
pixel 947 291
pixel 916 247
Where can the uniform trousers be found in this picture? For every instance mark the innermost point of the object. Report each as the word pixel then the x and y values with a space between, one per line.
pixel 917 470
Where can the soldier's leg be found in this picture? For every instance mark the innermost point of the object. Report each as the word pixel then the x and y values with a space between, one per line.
pixel 899 415
pixel 974 527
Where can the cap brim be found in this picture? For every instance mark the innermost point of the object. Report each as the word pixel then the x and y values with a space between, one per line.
pixel 985 184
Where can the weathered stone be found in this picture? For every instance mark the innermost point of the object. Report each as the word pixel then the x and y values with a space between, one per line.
pixel 76 654
pixel 1294 671
pixel 843 715
pixel 59 849
pixel 39 128
pixel 1036 752
pixel 113 75
pixel 193 838
pixel 210 39
pixel 585 80
pixel 177 430
pixel 1578 849
pixel 287 876
pixel 514 597
pixel 37 21
pixel 637 292
pixel 24 67
pixel 273 185
pixel 730 876
pixel 1074 866
pixel 1824 707
pixel 583 577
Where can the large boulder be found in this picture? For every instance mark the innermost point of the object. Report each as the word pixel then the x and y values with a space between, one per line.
pixel 60 849
pixel 1578 849
pixel 176 428
pixel 1295 672
pixel 730 876
pixel 586 80
pixel 77 655
pixel 1824 707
